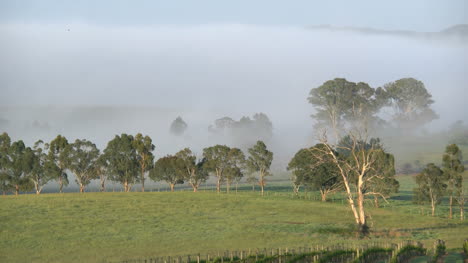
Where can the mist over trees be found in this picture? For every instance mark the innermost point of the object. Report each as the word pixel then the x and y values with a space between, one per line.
pixel 340 105
pixel 178 126
pixel 244 132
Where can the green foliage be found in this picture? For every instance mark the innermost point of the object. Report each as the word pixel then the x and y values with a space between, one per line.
pixel 57 157
pixel 224 163
pixel 122 161
pixel 41 173
pixel 18 164
pixel 259 161
pixel 178 126
pixel 193 171
pixel 144 148
pixel 380 178
pixel 411 102
pixel 439 250
pixel 328 257
pixel 453 168
pixel 313 172
pixel 431 186
pixel 5 143
pixel 82 160
pixel 169 169
pixel 374 251
pixel 406 252
pixel 339 101
pixel 465 246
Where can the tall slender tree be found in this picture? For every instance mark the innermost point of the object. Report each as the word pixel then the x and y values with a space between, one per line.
pixel 217 161
pixel 102 171
pixel 40 174
pixel 453 169
pixel 259 161
pixel 57 156
pixel 431 186
pixel 144 148
pixel 193 171
pixel 81 161
pixel 236 161
pixel 5 142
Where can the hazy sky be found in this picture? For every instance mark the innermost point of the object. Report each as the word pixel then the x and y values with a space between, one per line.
pixel 209 59
pixel 419 15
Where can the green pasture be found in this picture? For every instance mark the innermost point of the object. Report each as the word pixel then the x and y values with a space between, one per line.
pixel 99 227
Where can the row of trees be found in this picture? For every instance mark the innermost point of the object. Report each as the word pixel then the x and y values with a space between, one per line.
pixel 436 182
pixel 127 160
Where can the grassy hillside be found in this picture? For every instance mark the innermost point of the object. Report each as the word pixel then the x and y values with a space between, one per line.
pixel 96 227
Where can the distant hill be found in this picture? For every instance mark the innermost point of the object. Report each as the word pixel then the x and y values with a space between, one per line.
pixel 458 32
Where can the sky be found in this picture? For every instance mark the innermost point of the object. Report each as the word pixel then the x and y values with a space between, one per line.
pixel 417 15
pixel 204 60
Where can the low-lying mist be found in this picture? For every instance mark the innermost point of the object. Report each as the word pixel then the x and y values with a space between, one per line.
pixel 93 82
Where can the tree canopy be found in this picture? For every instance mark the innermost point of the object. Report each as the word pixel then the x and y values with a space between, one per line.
pixel 431 186
pixel 259 161
pixel 122 161
pixel 82 160
pixel 144 148
pixel 168 169
pixel 314 173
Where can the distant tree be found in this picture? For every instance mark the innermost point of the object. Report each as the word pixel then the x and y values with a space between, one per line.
pixel 453 169
pixel 122 161
pixel 217 161
pixel 222 124
pixel 263 125
pixel 5 143
pixel 20 167
pixel 246 131
pixel 234 172
pixel 317 174
pixel 411 103
pixel 252 179
pixel 57 157
pixel 193 171
pixel 337 101
pixel 178 126
pixel 431 186
pixel 81 161
pixel 233 175
pixel 144 148
pixel 40 174
pixel 168 169
pixel 259 161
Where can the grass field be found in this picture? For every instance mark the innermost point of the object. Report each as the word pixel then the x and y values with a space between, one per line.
pixel 97 227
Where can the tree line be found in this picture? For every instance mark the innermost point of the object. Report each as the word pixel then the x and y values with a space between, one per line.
pixel 127 160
